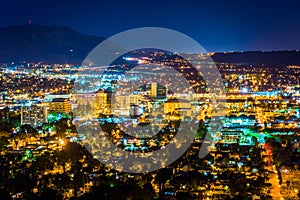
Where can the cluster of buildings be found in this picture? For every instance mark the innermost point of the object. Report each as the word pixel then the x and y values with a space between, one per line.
pixel 37 114
pixel 261 103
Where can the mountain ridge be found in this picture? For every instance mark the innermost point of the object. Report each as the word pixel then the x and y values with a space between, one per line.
pixel 61 44
pixel 36 43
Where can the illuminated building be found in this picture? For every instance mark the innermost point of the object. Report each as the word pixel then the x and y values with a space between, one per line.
pixel 180 107
pixel 4 112
pixel 50 97
pixel 122 103
pixel 153 90
pixel 136 110
pixel 104 98
pixel 96 101
pixel 34 115
pixel 62 105
pixel 157 91
pixel 231 136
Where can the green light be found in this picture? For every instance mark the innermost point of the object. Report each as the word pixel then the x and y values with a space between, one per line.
pixel 112 185
pixel 28 153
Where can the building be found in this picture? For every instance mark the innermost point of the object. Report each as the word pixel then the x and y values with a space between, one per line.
pixel 181 107
pixel 62 105
pixel 157 91
pixel 153 90
pixel 136 110
pixel 34 115
pixel 50 96
pixel 4 113
pixel 231 136
pixel 95 101
pixel 103 99
pixel 122 104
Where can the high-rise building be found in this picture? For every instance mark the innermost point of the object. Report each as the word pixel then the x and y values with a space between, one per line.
pixel 158 91
pixel 153 90
pixel 62 105
pixel 103 99
pixel 34 115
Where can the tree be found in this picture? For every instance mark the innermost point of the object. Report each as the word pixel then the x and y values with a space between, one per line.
pixel 4 194
pixel 27 129
pixel 78 177
pixel 148 190
pixel 61 126
pixel 49 194
pixel 161 177
pixel 43 162
pixel 288 184
pixel 238 185
pixel 201 131
pixel 72 152
pixel 3 142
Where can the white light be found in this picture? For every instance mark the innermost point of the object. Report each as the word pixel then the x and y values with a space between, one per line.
pixel 244 90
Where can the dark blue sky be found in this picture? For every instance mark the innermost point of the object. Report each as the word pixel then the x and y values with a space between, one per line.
pixel 216 25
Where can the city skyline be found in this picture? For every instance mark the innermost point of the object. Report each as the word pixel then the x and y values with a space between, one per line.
pixel 188 100
pixel 253 153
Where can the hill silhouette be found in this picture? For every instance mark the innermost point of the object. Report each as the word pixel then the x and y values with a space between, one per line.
pixel 59 44
pixel 51 44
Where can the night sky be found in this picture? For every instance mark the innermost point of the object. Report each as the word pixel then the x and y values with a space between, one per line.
pixel 216 25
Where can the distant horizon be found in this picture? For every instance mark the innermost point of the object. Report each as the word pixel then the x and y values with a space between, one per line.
pixel 212 51
pixel 219 26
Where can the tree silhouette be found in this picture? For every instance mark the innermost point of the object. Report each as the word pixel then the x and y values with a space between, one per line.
pixel 161 177
pixel 49 194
